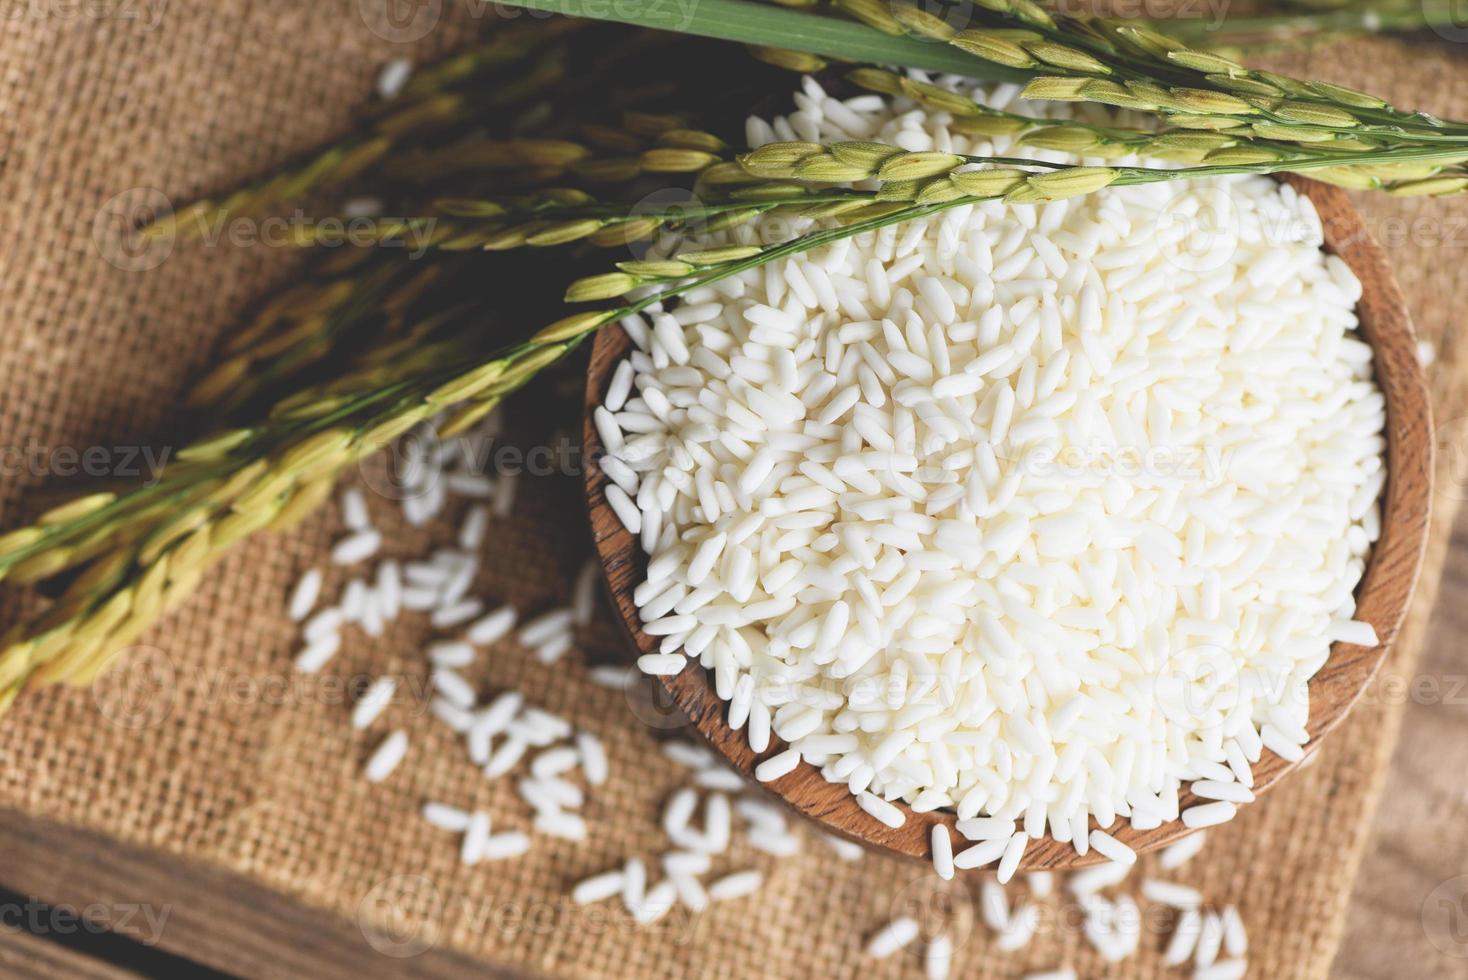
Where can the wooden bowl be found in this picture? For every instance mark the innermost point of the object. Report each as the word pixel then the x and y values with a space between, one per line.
pixel 1391 573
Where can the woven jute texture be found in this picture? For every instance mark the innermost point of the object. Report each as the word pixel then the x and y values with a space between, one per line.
pixel 209 746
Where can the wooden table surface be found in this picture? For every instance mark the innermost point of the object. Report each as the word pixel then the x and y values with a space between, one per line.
pixel 1408 916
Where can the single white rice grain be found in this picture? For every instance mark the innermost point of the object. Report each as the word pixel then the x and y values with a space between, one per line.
pixel 612 677
pixel 894 936
pixel 782 764
pixel 354 510
pixel 846 850
pixel 553 762
pixel 354 600
pixel 323 624
pixel 496 716
pixel 1235 938
pixel 552 792
pixel 1174 856
pixel 1223 970
pixel 471 532
pixel 451 714
pixel 938 958
pixel 373 701
pixel 687 754
pixel 985 852
pixel 626 511
pixel 446 817
pixel 554 649
pixel 394 77
pixel 498 847
pixel 690 892
pixel 453 687
pixel 1013 852
pixel 619 387
pixel 1210 940
pixel 597 887
pixel 1171 893
pixel 559 823
pixel 1020 929
pixel 1111 848
pixel 385 758
pixel 736 885
pixel 685 863
pixel 634 883
pixel 316 654
pixel 881 809
pixel 1231 792
pixel 679 810
pixel 356 547
pixel 506 757
pixel 304 595
pixel 1352 631
pixel 993 904
pixel 456 614
pixel 719 778
pixel 1091 880
pixel 942 845
pixel 1209 814
pixel 451 653
pixel 475 486
pixel 476 837
pixel 504 497
pixel 492 627
pixel 545 627
pixel 388 589
pixel 1184 938
pixel 593 758
pixel 656 903
pixel 662 664
pixel 770 842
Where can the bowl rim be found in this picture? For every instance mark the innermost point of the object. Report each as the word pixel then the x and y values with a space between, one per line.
pixel 1384 591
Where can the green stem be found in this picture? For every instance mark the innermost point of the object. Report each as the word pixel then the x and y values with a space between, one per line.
pixel 778 27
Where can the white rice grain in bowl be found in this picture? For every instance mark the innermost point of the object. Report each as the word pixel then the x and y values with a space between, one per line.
pixel 835 681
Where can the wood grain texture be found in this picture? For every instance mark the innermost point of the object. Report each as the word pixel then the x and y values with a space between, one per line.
pixel 24 956
pixel 213 918
pixel 1383 595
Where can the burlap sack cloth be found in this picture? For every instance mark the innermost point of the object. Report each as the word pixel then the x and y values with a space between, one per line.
pixel 233 763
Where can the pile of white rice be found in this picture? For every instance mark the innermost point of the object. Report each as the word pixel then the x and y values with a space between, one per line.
pixel 1040 514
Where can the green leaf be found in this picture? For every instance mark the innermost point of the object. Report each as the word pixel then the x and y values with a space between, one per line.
pixel 780 27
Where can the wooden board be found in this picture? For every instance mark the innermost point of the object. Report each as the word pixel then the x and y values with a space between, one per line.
pixel 205 917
